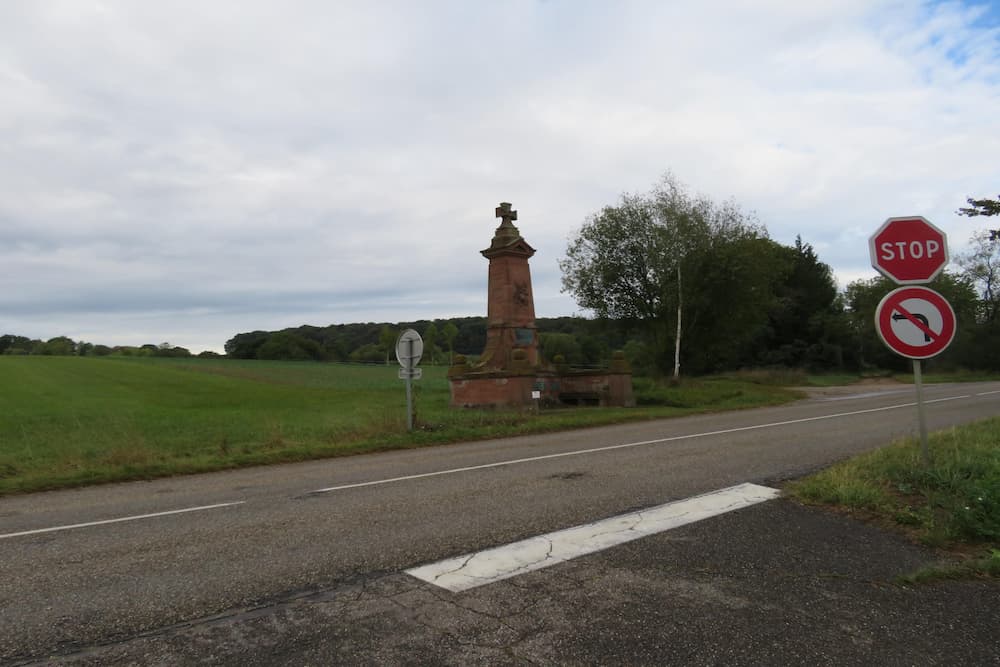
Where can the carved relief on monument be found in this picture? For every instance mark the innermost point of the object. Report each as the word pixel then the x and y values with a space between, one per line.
pixel 522 296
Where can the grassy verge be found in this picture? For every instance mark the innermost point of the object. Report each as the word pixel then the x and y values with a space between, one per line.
pixel 70 421
pixel 952 505
pixel 958 376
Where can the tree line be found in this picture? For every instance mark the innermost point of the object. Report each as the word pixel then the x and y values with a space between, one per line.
pixel 579 341
pixel 677 282
pixel 700 285
pixel 64 346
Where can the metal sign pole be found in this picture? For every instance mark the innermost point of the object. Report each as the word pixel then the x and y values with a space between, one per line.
pixel 409 404
pixel 409 349
pixel 918 380
pixel 409 389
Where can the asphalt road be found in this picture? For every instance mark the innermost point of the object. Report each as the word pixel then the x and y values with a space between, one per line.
pixel 303 564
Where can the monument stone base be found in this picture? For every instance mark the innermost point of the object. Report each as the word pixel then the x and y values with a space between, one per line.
pixel 503 389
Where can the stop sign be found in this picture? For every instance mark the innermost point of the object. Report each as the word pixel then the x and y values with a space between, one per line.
pixel 909 250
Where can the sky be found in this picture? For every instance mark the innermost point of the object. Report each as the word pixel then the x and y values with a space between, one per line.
pixel 183 171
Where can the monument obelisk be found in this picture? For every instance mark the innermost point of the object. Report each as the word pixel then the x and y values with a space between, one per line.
pixel 510 311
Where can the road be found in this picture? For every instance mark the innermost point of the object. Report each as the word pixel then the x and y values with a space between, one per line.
pixel 139 573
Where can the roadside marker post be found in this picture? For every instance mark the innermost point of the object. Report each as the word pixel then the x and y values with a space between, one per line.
pixel 409 350
pixel 914 322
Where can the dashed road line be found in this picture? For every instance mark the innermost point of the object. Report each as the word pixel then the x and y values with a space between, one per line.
pixel 627 445
pixel 137 517
pixel 496 464
pixel 492 565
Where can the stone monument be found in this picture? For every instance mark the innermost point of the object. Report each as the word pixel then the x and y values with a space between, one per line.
pixel 510 371
pixel 510 309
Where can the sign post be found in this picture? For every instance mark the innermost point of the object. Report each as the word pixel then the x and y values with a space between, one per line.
pixel 915 322
pixel 409 350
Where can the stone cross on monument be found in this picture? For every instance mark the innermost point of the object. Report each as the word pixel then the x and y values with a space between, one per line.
pixel 504 211
pixel 507 234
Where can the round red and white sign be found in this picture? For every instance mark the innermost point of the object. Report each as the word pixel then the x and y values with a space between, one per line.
pixel 915 322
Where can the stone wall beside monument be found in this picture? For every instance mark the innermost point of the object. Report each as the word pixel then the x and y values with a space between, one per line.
pixel 510 371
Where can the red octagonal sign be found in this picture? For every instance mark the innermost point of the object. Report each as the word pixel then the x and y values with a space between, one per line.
pixel 909 250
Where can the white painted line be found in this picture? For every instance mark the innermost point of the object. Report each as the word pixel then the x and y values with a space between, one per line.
pixel 869 394
pixel 608 448
pixel 988 393
pixel 119 520
pixel 945 400
pixel 491 565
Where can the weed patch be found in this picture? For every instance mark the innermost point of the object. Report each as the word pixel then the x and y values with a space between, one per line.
pixel 953 504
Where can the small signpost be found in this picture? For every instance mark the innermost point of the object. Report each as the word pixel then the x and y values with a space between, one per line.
pixel 915 322
pixel 409 350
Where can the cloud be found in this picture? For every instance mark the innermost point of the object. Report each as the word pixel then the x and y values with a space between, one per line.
pixel 187 170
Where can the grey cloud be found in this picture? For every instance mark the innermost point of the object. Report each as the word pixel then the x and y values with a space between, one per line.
pixel 214 167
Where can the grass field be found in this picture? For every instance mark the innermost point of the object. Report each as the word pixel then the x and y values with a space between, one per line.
pixel 67 421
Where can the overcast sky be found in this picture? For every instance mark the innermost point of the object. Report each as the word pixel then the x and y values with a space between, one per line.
pixel 183 171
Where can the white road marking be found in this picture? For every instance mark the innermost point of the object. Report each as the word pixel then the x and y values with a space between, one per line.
pixel 119 520
pixel 869 394
pixel 608 448
pixel 497 464
pixel 485 567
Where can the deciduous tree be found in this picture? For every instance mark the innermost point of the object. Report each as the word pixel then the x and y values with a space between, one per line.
pixel 430 340
pixel 678 266
pixel 978 207
pixel 448 333
pixel 981 266
pixel 983 207
pixel 387 341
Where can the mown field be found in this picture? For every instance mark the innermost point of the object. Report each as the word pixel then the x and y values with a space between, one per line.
pixel 67 421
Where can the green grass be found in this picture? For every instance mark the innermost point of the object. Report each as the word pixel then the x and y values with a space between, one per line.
pixel 956 376
pixel 69 421
pixel 832 380
pixel 984 566
pixel 952 504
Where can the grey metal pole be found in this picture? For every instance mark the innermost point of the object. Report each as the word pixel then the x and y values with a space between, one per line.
pixel 409 390
pixel 918 380
pixel 409 404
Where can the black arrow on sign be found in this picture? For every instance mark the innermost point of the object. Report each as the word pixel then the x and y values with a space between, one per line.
pixel 918 320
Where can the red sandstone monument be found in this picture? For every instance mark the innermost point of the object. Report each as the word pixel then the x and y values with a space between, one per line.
pixel 510 371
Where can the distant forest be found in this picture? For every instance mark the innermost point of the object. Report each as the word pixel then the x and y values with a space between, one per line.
pixel 809 325
pixel 580 341
pixel 63 346
pixel 814 329
pixel 803 323
pixel 745 301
